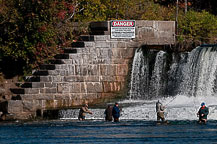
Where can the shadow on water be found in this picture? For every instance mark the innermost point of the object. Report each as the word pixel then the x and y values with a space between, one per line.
pixel 98 131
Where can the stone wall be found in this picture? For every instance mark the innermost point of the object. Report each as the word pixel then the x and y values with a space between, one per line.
pixel 93 70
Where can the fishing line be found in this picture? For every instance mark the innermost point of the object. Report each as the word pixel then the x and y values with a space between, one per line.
pixel 170 101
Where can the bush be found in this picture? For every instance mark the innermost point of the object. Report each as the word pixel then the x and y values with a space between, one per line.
pixel 29 29
pixel 198 26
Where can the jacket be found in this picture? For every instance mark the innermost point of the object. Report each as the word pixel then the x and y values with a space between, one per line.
pixel 116 112
pixel 159 107
pixel 205 111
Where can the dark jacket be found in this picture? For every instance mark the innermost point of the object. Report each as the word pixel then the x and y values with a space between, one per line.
pixel 203 110
pixel 116 112
pixel 108 113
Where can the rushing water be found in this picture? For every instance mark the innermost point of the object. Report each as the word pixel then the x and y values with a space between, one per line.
pixel 100 132
pixel 189 74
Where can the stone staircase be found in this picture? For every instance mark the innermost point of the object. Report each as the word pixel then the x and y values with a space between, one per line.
pixel 43 79
pixel 95 69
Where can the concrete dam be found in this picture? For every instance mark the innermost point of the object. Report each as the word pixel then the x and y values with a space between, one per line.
pixel 96 69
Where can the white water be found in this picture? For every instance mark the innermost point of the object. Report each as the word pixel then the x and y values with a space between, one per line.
pixel 192 79
pixel 139 78
pixel 178 108
pixel 158 83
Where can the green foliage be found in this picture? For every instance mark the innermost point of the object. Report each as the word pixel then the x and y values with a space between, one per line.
pixel 153 11
pixel 101 10
pixel 200 26
pixel 34 30
pixel 29 28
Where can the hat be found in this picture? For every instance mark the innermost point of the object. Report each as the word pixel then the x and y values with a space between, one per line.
pixel 202 104
pixel 116 103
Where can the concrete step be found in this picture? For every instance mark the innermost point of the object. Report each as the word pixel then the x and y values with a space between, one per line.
pixel 41 73
pixel 70 50
pixel 47 67
pixel 17 90
pixel 62 56
pixel 78 44
pixel 87 38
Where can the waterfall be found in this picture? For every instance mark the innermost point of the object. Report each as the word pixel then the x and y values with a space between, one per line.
pixel 190 74
pixel 148 76
pixel 158 79
pixel 200 72
pixel 139 76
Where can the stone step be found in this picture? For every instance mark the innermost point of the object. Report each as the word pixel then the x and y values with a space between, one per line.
pixel 78 44
pixel 99 32
pixel 56 61
pixel 47 67
pixel 87 38
pixel 24 85
pixel 17 90
pixel 16 97
pixel 70 50
pixel 32 79
pixel 41 73
pixel 99 26
pixel 62 56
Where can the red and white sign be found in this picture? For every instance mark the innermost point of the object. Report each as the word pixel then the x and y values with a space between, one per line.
pixel 123 29
pixel 123 23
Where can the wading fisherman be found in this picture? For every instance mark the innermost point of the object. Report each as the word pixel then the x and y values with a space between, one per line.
pixel 160 112
pixel 116 112
pixel 83 110
pixel 108 113
pixel 202 113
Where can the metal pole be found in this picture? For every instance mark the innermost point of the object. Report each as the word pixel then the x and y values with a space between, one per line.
pixel 177 9
pixel 177 12
pixel 186 6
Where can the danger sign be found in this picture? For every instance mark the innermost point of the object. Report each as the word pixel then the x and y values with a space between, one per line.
pixel 123 29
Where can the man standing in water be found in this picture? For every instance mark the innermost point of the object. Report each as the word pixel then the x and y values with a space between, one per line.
pixel 84 109
pixel 160 112
pixel 202 113
pixel 116 112
pixel 108 113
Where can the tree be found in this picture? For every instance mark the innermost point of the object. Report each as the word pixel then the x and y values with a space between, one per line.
pixel 30 29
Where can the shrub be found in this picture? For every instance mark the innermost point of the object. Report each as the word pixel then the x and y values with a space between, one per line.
pixel 198 26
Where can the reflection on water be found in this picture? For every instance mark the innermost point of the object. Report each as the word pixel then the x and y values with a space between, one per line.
pixel 97 132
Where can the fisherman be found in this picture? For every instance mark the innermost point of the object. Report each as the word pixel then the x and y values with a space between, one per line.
pixel 160 111
pixel 116 112
pixel 83 110
pixel 108 113
pixel 202 113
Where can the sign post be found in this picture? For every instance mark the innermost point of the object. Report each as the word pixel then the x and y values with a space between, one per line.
pixel 123 29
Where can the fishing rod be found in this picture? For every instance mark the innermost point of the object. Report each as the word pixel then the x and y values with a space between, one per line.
pixel 170 101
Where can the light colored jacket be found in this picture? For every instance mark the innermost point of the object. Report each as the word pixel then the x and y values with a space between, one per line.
pixel 159 107
pixel 84 110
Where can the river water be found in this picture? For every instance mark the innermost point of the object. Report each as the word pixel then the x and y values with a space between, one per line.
pixel 101 132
